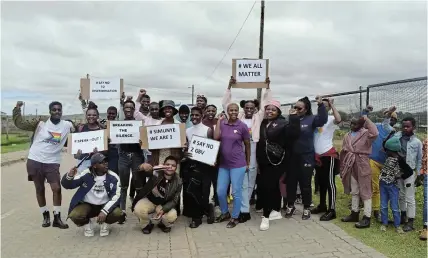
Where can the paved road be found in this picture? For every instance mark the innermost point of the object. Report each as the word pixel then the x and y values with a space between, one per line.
pixel 22 235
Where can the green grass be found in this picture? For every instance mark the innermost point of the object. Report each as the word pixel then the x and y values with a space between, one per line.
pixel 389 243
pixel 16 142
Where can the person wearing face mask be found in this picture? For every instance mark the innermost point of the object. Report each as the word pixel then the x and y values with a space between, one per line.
pixel 273 151
pixel 130 157
pixel 234 162
pixel 252 116
pixel 327 163
pixel 303 156
pixel 355 168
pixel 155 203
pixel 197 176
pixel 44 157
pixel 92 124
pixel 184 115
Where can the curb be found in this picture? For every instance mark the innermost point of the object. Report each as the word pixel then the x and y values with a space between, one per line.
pixel 18 160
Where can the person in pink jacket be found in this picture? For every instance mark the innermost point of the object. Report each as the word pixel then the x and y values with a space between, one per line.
pixel 252 118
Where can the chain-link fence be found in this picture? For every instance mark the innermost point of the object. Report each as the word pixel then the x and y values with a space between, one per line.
pixel 409 96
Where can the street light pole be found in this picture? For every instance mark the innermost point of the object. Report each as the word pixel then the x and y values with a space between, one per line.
pixel 262 29
pixel 193 93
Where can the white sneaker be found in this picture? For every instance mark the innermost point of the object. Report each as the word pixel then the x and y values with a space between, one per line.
pixel 88 230
pixel 274 215
pixel 104 230
pixel 265 224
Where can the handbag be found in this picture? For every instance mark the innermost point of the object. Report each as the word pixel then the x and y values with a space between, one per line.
pixel 274 150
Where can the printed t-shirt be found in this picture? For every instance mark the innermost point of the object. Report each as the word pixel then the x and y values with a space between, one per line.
pixel 98 194
pixel 157 195
pixel 48 142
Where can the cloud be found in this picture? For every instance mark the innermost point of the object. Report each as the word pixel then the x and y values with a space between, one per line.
pixel 165 47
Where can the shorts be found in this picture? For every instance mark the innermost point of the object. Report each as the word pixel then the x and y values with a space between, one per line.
pixel 38 172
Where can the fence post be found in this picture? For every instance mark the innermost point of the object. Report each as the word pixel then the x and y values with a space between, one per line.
pixel 361 98
pixel 368 96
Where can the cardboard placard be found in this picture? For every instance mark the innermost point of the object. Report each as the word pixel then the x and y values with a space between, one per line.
pixel 204 150
pixel 157 137
pixel 87 141
pixel 124 131
pixel 250 73
pixel 96 90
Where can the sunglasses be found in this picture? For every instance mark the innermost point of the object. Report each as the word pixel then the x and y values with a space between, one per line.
pixel 200 96
pixel 298 108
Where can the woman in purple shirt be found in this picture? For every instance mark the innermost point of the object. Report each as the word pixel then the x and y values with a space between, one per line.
pixel 234 162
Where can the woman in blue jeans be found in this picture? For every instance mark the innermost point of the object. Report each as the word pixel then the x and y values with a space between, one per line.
pixel 234 162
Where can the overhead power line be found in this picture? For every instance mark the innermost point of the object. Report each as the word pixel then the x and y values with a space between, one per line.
pixel 233 42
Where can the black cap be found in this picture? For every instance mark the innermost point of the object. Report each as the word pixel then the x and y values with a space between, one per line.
pixel 97 158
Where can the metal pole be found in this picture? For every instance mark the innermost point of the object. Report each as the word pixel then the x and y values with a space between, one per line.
pixel 361 98
pixel 23 110
pixel 193 94
pixel 262 25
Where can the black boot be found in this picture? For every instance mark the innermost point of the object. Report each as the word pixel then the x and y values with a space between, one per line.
pixel 363 223
pixel 353 217
pixel 403 217
pixel 195 223
pixel 319 209
pixel 46 219
pixel 148 229
pixel 57 223
pixel 408 226
pixel 122 218
pixel 330 215
pixel 210 215
pixel 376 215
pixel 244 216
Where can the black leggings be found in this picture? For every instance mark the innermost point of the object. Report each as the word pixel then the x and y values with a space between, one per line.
pixel 326 175
pixel 269 187
pixel 299 172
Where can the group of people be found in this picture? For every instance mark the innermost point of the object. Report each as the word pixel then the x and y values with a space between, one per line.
pixel 265 158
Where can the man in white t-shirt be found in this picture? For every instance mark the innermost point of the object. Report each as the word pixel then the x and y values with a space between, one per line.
pixel 327 163
pixel 44 157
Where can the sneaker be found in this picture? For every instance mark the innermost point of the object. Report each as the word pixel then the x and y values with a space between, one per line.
pixel 399 230
pixel 383 228
pixel 312 204
pixel 104 230
pixel 306 214
pixel 265 224
pixel 122 218
pixel 274 215
pixel 290 212
pixel 88 230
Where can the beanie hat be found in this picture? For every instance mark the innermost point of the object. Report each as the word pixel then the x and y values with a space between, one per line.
pixel 393 144
pixel 274 103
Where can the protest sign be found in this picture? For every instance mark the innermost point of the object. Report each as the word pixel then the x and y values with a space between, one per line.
pixel 102 88
pixel 124 131
pixel 163 136
pixel 250 73
pixel 87 141
pixel 204 150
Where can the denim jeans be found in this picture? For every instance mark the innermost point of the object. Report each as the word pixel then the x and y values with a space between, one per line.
pixel 225 176
pixel 129 162
pixel 389 193
pixel 425 200
pixel 247 189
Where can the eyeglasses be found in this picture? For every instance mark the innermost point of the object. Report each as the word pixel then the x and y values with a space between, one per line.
pixel 200 96
pixel 298 108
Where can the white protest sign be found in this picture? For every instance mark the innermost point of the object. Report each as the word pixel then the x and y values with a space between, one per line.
pixel 87 141
pixel 124 131
pixel 250 70
pixel 103 88
pixel 163 137
pixel 204 150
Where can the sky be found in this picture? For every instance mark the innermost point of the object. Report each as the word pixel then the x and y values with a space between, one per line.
pixel 166 46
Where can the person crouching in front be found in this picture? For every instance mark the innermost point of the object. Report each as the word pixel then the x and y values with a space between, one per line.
pixel 156 201
pixel 98 196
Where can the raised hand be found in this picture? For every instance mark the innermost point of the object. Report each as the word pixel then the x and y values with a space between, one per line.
pixel 19 104
pixel 318 99
pixel 267 82
pixel 231 82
